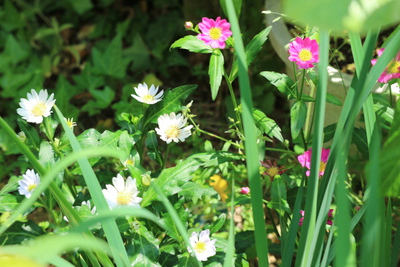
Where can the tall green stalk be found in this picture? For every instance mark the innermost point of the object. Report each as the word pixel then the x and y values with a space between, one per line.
pixel 251 148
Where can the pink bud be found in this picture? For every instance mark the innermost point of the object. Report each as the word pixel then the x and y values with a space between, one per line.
pixel 188 25
pixel 245 190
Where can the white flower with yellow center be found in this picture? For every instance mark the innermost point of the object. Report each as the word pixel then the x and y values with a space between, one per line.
pixel 146 95
pixel 172 128
pixel 202 245
pixel 70 122
pixel 30 180
pixel 36 106
pixel 129 162
pixel 122 193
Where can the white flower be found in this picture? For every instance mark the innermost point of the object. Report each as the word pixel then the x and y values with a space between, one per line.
pixel 202 245
pixel 89 207
pixel 70 122
pixel 129 162
pixel 172 128
pixel 36 106
pixel 22 136
pixel 121 193
pixel 146 95
pixel 30 180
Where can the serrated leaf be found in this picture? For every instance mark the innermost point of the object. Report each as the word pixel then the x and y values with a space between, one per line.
pixel 298 114
pixel 193 191
pixel 282 82
pixel 144 249
pixel 88 79
pixel 170 180
pixel 333 99
pixel 267 125
pixel 215 71
pixel 46 154
pixel 172 102
pixel 193 44
pixel 252 50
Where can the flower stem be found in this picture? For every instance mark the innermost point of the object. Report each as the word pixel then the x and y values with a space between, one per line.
pixel 234 102
pixel 166 156
pixel 303 79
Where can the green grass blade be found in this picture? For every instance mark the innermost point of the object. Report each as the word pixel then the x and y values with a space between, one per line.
pixel 251 148
pixel 229 260
pixel 395 248
pixel 309 233
pixel 110 227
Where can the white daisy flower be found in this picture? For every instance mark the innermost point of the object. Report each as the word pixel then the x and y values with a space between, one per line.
pixel 30 180
pixel 202 245
pixel 36 106
pixel 129 162
pixel 146 95
pixel 121 193
pixel 70 122
pixel 172 128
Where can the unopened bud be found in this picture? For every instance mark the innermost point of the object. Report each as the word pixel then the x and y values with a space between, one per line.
pixel 188 25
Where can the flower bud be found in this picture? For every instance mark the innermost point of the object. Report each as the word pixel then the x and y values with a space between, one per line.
pixel 188 25
pixel 245 190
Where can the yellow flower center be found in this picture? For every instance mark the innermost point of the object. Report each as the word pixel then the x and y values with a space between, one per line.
pixel 273 171
pixel 172 131
pixel 393 67
pixel 129 162
pixel 148 98
pixel 322 166
pixel 305 55
pixel 215 33
pixel 39 109
pixel 200 247
pixel 31 187
pixel 123 198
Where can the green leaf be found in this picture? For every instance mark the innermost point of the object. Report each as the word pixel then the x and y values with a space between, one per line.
pixel 46 154
pixel 278 196
pixel 172 102
pixel 152 146
pixel 355 16
pixel 237 5
pixel 390 159
pixel 333 99
pixel 12 185
pixel 298 114
pixel 360 139
pixel 111 62
pixel 172 179
pixel 282 82
pixel 8 203
pixel 252 50
pixel 193 44
pixel 329 132
pixel 11 19
pixel 267 125
pixel 217 224
pixel 193 191
pixel 103 98
pixel 88 79
pixel 81 6
pixel 14 52
pixel 30 132
pixel 215 71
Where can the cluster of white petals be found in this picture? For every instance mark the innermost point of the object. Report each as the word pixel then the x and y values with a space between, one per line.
pixel 172 128
pixel 30 180
pixel 36 106
pixel 122 193
pixel 202 245
pixel 147 95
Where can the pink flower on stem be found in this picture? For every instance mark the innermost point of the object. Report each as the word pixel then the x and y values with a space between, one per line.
pixel 304 52
pixel 214 32
pixel 305 160
pixel 392 70
pixel 328 221
pixel 245 190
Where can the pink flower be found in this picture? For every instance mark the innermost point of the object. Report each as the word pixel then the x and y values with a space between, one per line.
pixel 305 160
pixel 328 221
pixel 245 190
pixel 214 32
pixel 392 70
pixel 304 52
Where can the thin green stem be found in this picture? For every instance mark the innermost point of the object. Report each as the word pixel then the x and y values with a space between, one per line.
pixel 303 79
pixel 234 102
pixel 166 156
